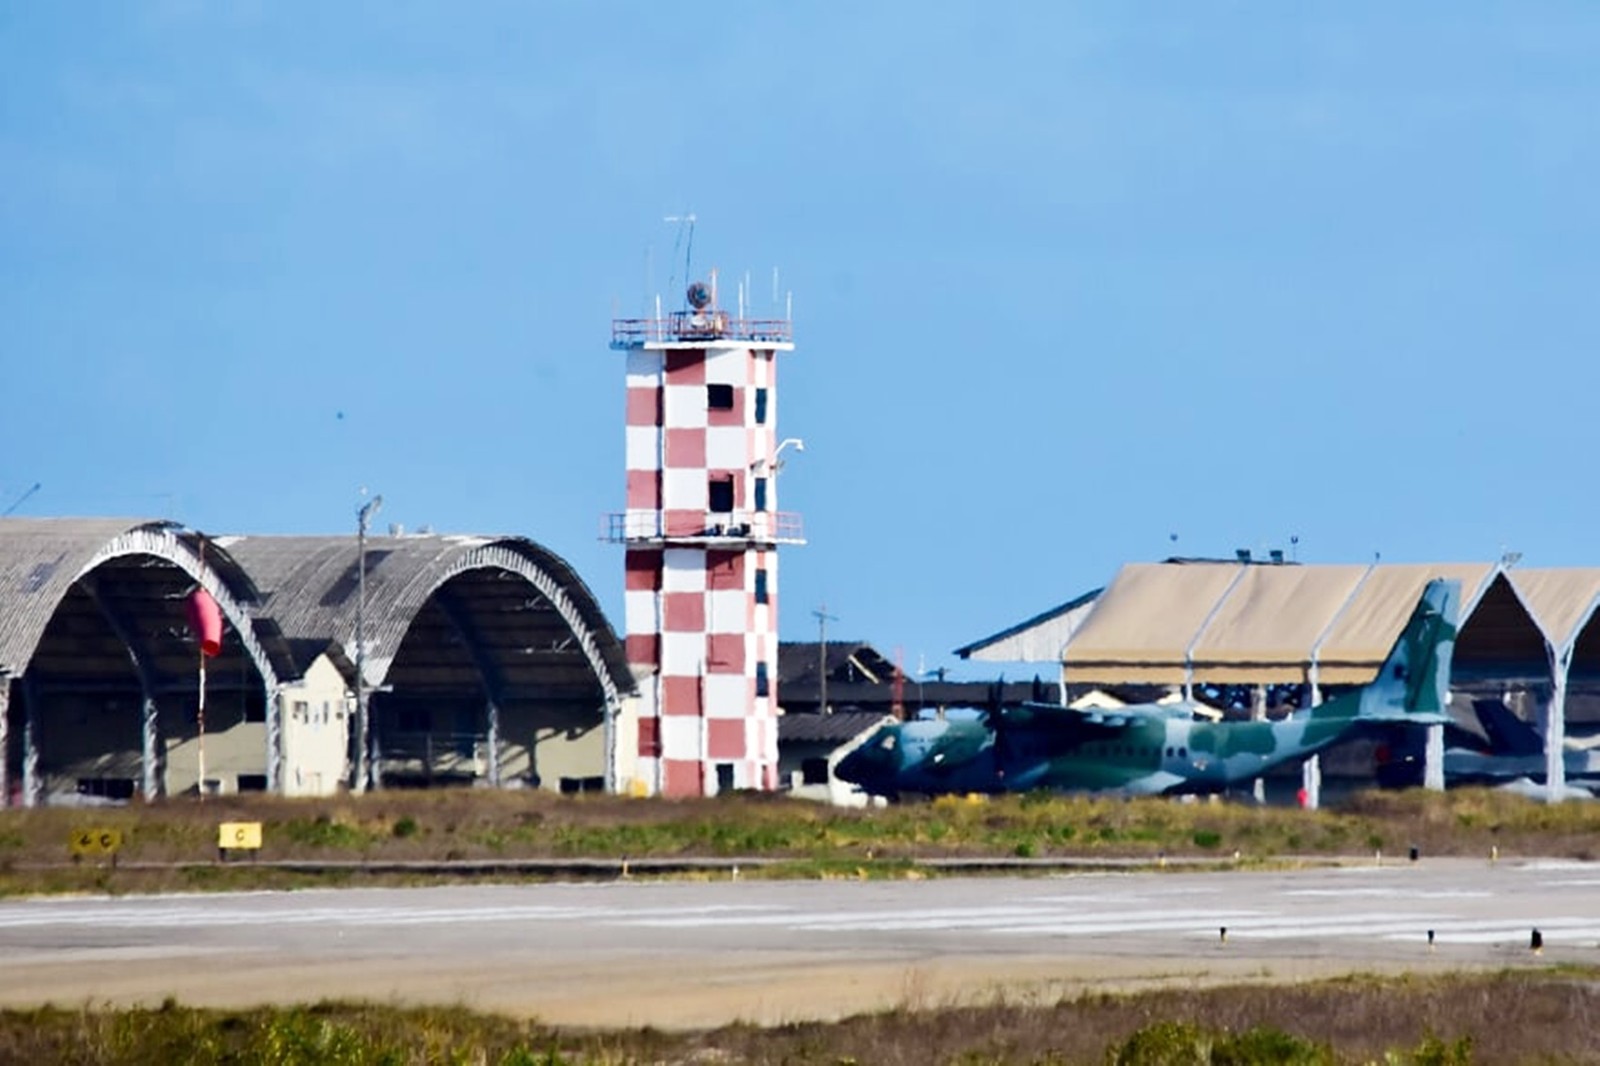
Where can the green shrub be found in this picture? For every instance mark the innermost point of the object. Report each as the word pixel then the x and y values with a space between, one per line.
pixel 324 832
pixel 1187 1044
pixel 1206 838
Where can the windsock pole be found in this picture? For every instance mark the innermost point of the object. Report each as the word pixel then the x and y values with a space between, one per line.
pixel 200 720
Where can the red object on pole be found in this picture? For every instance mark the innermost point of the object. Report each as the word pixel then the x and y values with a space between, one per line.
pixel 205 622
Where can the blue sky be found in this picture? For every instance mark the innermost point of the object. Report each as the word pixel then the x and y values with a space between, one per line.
pixel 1068 280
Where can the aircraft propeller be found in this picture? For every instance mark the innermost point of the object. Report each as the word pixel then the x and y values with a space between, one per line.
pixel 996 712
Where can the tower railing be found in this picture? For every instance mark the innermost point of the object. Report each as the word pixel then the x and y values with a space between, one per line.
pixel 694 326
pixel 711 527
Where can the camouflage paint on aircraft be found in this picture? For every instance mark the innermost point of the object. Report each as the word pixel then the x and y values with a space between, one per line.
pixel 1155 748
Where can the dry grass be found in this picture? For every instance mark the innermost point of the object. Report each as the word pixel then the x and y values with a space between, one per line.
pixel 1505 1018
pixel 813 840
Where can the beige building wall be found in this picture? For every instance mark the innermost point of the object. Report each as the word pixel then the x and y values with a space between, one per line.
pixel 315 718
pixel 628 781
pixel 540 747
pixel 233 748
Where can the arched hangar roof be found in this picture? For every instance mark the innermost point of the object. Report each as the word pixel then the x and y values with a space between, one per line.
pixel 125 570
pixel 532 622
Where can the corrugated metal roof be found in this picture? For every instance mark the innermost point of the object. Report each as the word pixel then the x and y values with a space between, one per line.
pixel 827 728
pixel 40 558
pixel 298 596
pixel 309 588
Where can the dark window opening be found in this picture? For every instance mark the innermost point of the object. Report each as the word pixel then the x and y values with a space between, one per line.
pixel 252 782
pixel 721 493
pixel 814 771
pixel 571 786
pixel 761 585
pixel 763 683
pixel 414 720
pixel 719 397
pixel 724 777
pixel 112 788
pixel 761 407
pixel 761 494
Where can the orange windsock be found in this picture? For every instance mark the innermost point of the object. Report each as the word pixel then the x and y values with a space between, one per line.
pixel 205 622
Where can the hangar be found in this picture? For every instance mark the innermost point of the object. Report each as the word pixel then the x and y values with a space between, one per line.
pixel 1251 634
pixel 485 660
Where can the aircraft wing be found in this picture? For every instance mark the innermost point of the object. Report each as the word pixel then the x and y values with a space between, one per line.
pixel 1094 719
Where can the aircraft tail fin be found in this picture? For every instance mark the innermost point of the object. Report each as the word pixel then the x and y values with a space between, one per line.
pixel 1508 734
pixel 1414 684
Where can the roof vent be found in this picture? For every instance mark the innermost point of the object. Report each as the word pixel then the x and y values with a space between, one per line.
pixel 1276 555
pixel 1242 554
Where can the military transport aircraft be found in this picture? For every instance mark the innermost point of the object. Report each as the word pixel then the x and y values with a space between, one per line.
pixel 1154 749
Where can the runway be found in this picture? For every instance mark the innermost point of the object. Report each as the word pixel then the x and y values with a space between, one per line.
pixel 702 953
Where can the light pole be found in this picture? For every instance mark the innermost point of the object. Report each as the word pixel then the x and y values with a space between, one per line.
pixel 366 736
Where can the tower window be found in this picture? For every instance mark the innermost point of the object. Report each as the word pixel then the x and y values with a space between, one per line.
pixel 761 585
pixel 761 494
pixel 763 683
pixel 761 407
pixel 719 397
pixel 721 493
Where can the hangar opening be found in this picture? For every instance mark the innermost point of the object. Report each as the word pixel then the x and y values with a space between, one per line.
pixel 99 672
pixel 490 685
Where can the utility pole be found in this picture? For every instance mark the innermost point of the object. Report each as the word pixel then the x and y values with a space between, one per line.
pixel 823 618
pixel 366 736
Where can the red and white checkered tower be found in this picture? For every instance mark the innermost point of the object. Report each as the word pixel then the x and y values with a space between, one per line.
pixel 702 532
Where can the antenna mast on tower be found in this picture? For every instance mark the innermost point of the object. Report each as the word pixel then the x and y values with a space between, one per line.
pixel 684 239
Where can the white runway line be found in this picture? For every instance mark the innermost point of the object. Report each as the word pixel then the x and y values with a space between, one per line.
pixel 135 917
pixel 1389 893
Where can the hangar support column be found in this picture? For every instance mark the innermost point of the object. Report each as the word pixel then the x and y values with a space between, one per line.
pixel 30 742
pixel 151 765
pixel 1555 732
pixel 1258 713
pixel 1433 760
pixel 1311 769
pixel 274 712
pixel 5 740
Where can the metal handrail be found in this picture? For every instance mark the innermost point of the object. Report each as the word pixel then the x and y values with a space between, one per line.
pixel 699 326
pixel 770 527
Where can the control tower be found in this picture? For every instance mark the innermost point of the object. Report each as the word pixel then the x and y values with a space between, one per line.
pixel 701 533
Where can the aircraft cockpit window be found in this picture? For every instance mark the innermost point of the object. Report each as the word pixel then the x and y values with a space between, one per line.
pixel 1183 753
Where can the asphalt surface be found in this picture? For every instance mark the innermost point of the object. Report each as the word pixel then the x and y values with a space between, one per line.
pixel 704 952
